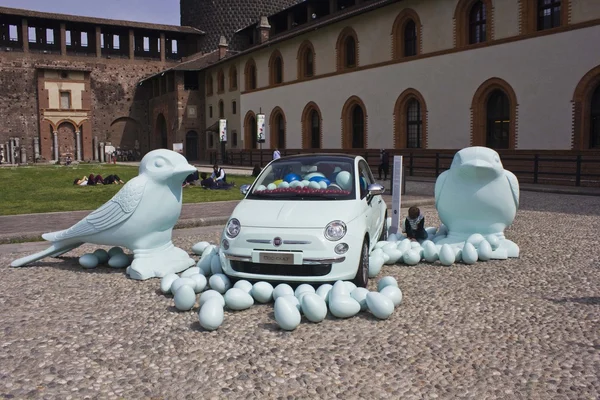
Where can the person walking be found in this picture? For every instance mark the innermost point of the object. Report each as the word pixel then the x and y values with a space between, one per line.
pixel 384 165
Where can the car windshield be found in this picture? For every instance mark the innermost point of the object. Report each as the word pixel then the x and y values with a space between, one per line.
pixel 306 178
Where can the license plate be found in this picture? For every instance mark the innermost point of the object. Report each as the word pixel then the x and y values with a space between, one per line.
pixel 276 258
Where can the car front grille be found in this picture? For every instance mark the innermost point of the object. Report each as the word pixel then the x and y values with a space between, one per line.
pixel 280 269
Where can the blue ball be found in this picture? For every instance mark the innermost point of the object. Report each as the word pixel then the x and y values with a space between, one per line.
pixel 289 178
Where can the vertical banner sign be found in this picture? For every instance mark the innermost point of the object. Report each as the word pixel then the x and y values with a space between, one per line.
pixel 223 130
pixel 396 195
pixel 260 128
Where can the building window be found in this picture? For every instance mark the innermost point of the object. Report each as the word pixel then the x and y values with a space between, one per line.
pixel 410 39
pixel 220 81
pixel 311 126
pixel 234 107
pixel 234 139
pixel 315 130
pixel 210 112
pixel 595 120
pixel 358 127
pixel 65 100
pixel 209 85
pixel 498 120
pixel 233 78
pixel 277 128
pixel 276 68
pixel 221 109
pixel 211 140
pixel 548 14
pixel 347 49
pixel 190 80
pixel 250 72
pixel 280 124
pixel 250 131
pixel 306 60
pixel 414 125
pixel 477 23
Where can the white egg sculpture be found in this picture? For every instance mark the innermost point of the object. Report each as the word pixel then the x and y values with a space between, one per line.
pixel 314 307
pixel 178 283
pixel 262 292
pixel 386 281
pixel 271 186
pixel 215 265
pixel 260 188
pixel 211 314
pixel 199 247
pixel 113 251
pixel 286 314
pixel 304 288
pixel 415 245
pixel 394 256
pixel 379 305
pixel 404 245
pixel 211 294
pixel 360 295
pixel 392 237
pixel 475 239
pixel 375 264
pixel 190 271
pixel 323 291
pixel 457 254
pixel 292 300
pixel 244 285
pixel 385 257
pixel 339 289
pixel 351 286
pixel 378 252
pixel 209 250
pixel 379 245
pixel 89 261
pixel 412 256
pixel 238 299
pixel 204 264
pixel 393 293
pixel 120 260
pixel 430 252
pixel 314 185
pixel 484 251
pixel 185 298
pixel 343 306
pixel 447 255
pixel 102 256
pixel 389 246
pixel 469 254
pixel 283 185
pixel 200 281
pixel 220 283
pixel 167 281
pixel 493 241
pixel 282 289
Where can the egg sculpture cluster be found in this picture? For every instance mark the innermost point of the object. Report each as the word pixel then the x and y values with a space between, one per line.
pixel 114 258
pixel 397 249
pixel 342 299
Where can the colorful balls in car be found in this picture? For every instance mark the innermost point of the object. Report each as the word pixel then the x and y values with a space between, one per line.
pixel 344 180
pixel 320 179
pixel 278 181
pixel 309 177
pixel 289 178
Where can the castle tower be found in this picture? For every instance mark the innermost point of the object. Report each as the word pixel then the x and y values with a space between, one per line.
pixel 224 17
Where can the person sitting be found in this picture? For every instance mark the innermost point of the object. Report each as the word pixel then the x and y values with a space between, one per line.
pixel 113 179
pixel 218 175
pixel 95 180
pixel 414 225
pixel 256 170
pixel 68 161
pixel 206 182
pixel 191 178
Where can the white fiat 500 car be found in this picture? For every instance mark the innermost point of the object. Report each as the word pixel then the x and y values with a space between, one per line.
pixel 306 218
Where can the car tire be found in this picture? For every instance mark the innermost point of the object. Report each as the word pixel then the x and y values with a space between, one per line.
pixel 384 231
pixel 362 275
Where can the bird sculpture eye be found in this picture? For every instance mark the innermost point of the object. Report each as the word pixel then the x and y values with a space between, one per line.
pixel 159 163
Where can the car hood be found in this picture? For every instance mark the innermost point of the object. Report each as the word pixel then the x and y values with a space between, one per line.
pixel 294 214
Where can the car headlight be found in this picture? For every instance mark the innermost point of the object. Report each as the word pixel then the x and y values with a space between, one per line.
pixel 335 230
pixel 233 228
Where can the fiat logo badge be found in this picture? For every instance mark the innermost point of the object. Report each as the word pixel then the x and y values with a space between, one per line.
pixel 277 241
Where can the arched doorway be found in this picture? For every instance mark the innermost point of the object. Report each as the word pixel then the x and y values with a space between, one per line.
pixel 595 120
pixel 498 120
pixel 354 124
pixel 67 141
pixel 358 127
pixel 191 145
pixel 161 131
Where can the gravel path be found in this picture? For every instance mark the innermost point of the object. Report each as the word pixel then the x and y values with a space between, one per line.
pixel 517 329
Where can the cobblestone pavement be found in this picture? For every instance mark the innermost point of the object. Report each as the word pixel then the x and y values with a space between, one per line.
pixel 524 328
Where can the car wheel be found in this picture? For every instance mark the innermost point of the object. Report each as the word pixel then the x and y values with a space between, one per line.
pixel 362 275
pixel 384 232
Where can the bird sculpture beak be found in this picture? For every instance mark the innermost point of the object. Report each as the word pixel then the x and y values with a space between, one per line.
pixel 184 169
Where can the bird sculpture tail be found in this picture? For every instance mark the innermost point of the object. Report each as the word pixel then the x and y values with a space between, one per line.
pixel 55 250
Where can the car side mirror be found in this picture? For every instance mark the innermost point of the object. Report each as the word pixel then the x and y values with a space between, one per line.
pixel 244 189
pixel 375 189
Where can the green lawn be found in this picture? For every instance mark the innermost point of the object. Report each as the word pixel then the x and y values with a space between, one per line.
pixel 49 188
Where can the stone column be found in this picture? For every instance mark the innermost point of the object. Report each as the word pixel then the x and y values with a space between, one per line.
pixel 23 155
pixel 6 153
pixel 55 137
pixel 63 40
pixel 95 146
pixel 10 151
pixel 36 148
pixel 102 152
pixel 25 35
pixel 162 48
pixel 98 38
pixel 78 143
pixel 131 44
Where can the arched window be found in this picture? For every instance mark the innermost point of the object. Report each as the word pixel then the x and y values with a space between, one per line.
pixel 354 124
pixel 406 34
pixel 250 131
pixel 315 129
pixel 306 60
pixel 220 81
pixel 595 120
pixel 209 85
pixel 250 72
pixel 539 15
pixel 280 125
pixel 221 109
pixel 477 23
pixel 276 68
pixel 358 127
pixel 414 125
pixel 548 14
pixel 311 127
pixel 277 128
pixel 498 120
pixel 410 39
pixel 347 49
pixel 233 77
